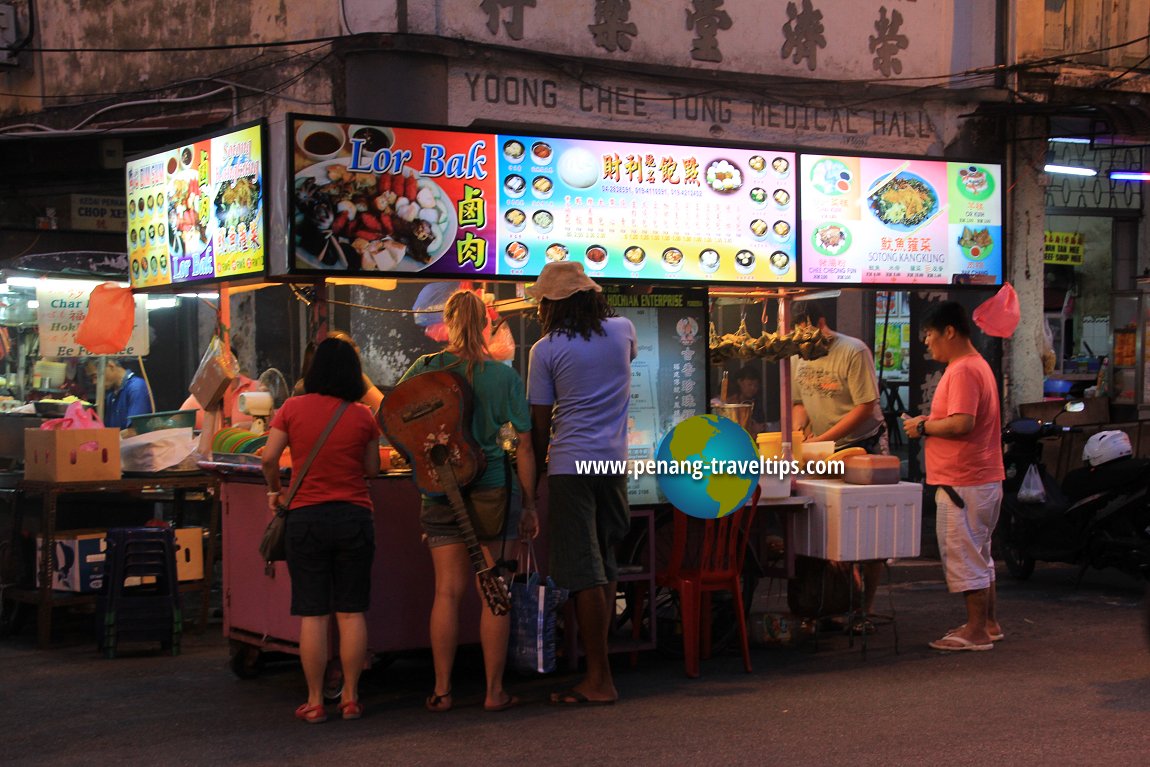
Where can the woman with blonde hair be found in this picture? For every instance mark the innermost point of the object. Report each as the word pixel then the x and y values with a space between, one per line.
pixel 498 398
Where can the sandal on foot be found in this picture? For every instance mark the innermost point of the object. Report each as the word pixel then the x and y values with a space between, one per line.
pixel 955 643
pixel 311 714
pixel 351 709
pixel 993 637
pixel 438 704
pixel 511 702
pixel 574 699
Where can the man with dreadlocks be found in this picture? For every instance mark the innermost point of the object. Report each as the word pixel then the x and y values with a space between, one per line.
pixel 579 387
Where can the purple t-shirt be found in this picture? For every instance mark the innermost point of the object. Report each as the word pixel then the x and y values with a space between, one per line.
pixel 589 382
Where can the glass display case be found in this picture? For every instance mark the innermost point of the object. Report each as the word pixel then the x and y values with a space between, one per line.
pixel 1129 361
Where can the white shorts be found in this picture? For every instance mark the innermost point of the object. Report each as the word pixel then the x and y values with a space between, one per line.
pixel 964 535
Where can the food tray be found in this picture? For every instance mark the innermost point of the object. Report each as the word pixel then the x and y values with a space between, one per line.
pixel 237 459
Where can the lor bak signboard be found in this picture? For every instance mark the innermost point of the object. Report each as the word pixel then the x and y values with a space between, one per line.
pixel 372 198
pixel 375 198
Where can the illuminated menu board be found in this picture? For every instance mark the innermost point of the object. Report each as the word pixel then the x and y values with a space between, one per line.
pixel 196 210
pixel 369 197
pixel 893 221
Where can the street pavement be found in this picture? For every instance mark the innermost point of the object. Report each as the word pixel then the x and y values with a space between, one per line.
pixel 1069 685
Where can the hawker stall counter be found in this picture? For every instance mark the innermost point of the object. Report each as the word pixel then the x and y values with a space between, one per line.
pixel 257 611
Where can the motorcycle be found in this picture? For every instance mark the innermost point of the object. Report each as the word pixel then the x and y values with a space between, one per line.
pixel 1099 517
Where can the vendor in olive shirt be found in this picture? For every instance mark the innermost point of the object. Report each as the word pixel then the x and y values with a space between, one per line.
pixel 126 394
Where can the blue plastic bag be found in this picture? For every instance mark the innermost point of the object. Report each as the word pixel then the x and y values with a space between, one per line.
pixel 534 603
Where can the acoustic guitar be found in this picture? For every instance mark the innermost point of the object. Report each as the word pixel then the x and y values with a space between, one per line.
pixel 427 418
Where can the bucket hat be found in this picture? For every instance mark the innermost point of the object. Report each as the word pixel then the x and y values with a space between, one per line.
pixel 561 279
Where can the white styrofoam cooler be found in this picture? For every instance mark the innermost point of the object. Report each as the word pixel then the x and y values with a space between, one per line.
pixel 850 523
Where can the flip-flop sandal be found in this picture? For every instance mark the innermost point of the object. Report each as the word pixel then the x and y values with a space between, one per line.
pixel 952 643
pixel 993 637
pixel 438 704
pixel 575 699
pixel 511 702
pixel 311 714
pixel 351 709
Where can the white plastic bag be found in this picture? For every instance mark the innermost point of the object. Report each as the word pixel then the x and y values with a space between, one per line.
pixel 1032 490
pixel 1046 350
pixel 156 450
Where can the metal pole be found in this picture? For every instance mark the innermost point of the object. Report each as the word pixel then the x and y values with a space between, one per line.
pixel 785 415
pixel 101 364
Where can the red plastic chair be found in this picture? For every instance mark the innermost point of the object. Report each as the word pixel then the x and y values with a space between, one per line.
pixel 707 556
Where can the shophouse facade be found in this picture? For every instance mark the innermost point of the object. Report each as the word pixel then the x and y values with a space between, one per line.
pixel 982 79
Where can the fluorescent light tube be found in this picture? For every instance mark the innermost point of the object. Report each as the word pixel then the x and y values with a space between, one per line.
pixel 1129 175
pixel 1070 170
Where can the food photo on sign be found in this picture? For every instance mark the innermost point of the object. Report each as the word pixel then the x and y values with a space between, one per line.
pixel 376 198
pixel 196 210
pixel 892 220
pixel 456 204
pixel 629 210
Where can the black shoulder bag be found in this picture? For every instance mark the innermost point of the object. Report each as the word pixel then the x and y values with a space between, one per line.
pixel 273 544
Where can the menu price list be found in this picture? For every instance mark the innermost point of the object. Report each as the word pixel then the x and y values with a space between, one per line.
pixel 872 220
pixel 646 211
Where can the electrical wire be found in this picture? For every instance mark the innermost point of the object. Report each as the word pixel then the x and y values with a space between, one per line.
pixel 193 48
pixel 231 71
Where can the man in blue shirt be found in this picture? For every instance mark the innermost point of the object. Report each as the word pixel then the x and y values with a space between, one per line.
pixel 125 393
pixel 579 387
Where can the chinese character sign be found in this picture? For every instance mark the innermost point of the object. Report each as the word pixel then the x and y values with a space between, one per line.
pixel 64 305
pixel 373 198
pixel 891 221
pixel 1064 248
pixel 632 210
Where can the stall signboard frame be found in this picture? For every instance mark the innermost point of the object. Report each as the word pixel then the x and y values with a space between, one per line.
pixel 197 211
pixel 894 221
pixel 367 198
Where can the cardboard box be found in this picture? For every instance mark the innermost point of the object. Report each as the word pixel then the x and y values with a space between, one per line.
pixel 189 553
pixel 852 523
pixel 71 455
pixel 79 560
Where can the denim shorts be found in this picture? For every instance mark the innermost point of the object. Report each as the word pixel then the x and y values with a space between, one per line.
pixel 438 518
pixel 330 548
pixel 587 517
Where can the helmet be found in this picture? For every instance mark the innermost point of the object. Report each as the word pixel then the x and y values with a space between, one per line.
pixel 1106 446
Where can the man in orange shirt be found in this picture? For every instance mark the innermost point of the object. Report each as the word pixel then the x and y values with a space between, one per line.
pixel 964 459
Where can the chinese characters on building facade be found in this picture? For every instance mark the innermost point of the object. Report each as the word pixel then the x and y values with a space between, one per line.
pixel 801 30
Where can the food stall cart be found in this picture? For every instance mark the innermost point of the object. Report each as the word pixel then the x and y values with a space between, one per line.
pixel 379 200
